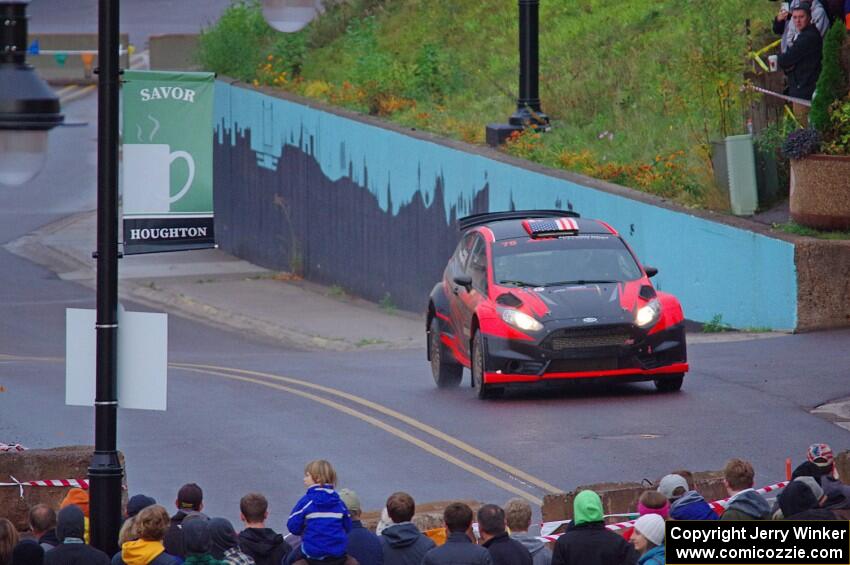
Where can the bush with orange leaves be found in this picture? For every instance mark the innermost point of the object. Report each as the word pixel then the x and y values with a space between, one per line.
pixel 667 175
pixel 272 72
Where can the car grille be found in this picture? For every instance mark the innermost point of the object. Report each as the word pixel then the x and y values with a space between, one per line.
pixel 583 338
pixel 582 365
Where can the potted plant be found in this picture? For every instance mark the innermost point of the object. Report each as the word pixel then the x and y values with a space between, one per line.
pixel 820 154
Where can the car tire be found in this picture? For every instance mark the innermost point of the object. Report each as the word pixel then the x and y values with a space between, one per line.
pixel 670 383
pixel 477 364
pixel 446 374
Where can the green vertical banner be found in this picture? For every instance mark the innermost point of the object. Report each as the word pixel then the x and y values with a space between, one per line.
pixel 168 161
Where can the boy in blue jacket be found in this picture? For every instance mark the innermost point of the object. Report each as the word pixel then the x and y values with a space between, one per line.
pixel 320 517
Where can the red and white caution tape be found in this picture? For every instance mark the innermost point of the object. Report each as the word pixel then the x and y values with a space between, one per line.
pixel 718 506
pixel 78 483
pixel 800 101
pixel 5 447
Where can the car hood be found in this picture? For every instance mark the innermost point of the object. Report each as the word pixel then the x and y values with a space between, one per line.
pixel 608 303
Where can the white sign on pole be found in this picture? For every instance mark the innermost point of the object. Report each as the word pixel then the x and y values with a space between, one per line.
pixel 142 359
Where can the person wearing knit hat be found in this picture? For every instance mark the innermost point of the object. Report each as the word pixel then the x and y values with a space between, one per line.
pixel 72 549
pixel 820 464
pixel 198 541
pixel 27 552
pixel 587 541
pixel 797 501
pixel 648 539
pixel 80 498
pixel 137 503
pixel 225 543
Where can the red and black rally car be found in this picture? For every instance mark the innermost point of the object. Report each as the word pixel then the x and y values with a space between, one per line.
pixel 546 295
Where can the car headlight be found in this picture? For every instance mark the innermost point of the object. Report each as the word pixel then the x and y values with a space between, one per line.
pixel 521 321
pixel 648 315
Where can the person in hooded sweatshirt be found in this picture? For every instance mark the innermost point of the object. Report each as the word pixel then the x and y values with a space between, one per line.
pixel 197 541
pixel 402 542
pixel 518 518
pixel 798 502
pixel 149 527
pixel 685 503
pixel 72 549
pixel 320 517
pixel 587 541
pixel 744 502
pixel 225 543
pixel 262 544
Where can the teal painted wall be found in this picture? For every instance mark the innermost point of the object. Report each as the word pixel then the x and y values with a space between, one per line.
pixel 713 268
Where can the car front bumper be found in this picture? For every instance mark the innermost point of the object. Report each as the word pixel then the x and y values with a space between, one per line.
pixel 620 352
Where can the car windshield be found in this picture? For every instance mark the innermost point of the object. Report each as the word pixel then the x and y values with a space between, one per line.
pixel 580 259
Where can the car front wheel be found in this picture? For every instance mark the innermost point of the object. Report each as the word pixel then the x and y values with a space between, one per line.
pixel 477 370
pixel 446 373
pixel 670 383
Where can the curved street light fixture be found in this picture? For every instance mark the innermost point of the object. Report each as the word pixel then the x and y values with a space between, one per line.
pixel 290 16
pixel 28 107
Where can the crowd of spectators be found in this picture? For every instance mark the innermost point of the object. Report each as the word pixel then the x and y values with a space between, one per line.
pixel 329 529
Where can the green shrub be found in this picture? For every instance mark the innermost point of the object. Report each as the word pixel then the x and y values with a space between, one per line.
pixel 837 135
pixel 235 46
pixel 290 48
pixel 434 75
pixel 832 84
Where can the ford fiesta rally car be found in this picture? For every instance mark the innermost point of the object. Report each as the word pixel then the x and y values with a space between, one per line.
pixel 533 296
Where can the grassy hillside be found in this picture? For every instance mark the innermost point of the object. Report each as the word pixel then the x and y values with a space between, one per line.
pixel 635 88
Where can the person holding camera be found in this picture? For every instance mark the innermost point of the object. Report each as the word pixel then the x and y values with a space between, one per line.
pixel 784 26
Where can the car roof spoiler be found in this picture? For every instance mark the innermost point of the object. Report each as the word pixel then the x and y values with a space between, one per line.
pixel 478 219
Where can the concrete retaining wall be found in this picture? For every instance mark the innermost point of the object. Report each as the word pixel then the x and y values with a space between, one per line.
pixel 71 462
pixel 823 277
pixel 348 200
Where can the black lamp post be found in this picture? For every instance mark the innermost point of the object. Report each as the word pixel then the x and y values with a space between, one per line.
pixel 528 113
pixel 106 472
pixel 28 107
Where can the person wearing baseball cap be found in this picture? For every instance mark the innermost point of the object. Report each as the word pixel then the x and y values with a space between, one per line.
pixel 648 539
pixel 363 545
pixel 190 500
pixel 685 503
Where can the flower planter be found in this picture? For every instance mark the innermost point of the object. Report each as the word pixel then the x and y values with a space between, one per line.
pixel 820 191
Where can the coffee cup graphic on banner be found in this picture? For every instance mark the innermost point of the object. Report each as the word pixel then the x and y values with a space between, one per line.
pixel 147 177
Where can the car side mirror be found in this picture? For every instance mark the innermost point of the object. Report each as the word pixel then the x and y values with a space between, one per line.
pixel 464 280
pixel 650 271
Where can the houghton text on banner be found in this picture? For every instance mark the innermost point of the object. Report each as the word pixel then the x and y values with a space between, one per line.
pixel 167 155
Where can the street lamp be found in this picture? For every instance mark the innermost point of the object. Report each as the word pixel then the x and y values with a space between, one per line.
pixel 528 113
pixel 28 107
pixel 290 16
